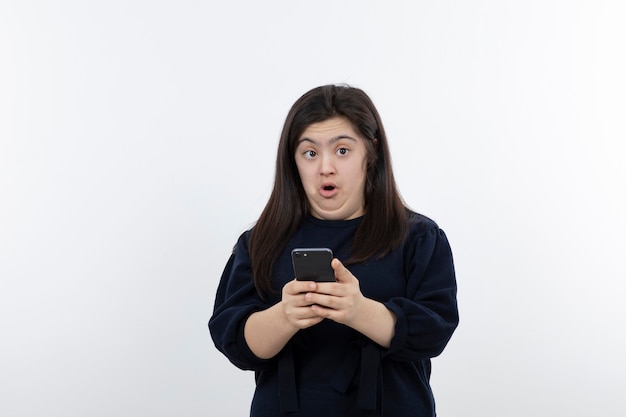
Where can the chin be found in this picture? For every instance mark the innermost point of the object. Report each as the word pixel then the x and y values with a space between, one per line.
pixel 335 215
pixel 327 215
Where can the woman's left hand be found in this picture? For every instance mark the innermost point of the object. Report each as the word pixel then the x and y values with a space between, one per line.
pixel 339 301
pixel 343 302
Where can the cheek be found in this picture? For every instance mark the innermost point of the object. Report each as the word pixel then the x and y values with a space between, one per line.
pixel 305 176
pixel 360 173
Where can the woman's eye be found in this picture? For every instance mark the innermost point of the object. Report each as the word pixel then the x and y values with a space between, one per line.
pixel 310 154
pixel 342 151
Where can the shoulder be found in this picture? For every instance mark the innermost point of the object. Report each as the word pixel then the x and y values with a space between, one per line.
pixel 420 224
pixel 426 243
pixel 424 232
pixel 242 241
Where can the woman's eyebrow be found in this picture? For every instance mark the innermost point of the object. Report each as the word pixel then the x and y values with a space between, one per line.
pixel 331 141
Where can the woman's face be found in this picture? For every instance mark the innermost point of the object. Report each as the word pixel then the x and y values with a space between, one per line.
pixel 331 159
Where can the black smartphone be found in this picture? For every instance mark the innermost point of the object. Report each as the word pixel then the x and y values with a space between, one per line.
pixel 313 264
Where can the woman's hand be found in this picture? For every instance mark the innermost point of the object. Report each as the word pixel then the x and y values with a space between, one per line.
pixel 343 302
pixel 306 303
pixel 339 301
pixel 267 331
pixel 297 309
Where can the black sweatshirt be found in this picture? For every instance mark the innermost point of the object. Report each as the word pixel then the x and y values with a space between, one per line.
pixel 330 369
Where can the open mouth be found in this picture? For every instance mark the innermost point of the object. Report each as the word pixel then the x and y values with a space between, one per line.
pixel 328 190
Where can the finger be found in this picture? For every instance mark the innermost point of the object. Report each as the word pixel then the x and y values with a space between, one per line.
pixel 305 323
pixel 293 302
pixel 297 287
pixel 328 313
pixel 342 274
pixel 324 300
pixel 303 317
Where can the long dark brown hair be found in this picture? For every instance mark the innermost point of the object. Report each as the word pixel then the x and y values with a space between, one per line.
pixel 384 225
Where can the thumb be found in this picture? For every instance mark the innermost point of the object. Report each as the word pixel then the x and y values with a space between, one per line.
pixel 341 272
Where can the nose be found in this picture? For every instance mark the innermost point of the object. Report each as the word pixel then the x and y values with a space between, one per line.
pixel 327 167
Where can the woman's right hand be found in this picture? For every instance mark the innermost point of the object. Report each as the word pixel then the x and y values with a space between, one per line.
pixel 296 308
pixel 267 331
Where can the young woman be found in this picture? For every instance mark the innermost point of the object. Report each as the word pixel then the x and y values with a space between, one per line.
pixel 360 345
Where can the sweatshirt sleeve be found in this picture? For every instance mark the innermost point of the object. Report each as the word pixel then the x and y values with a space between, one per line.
pixel 428 315
pixel 235 301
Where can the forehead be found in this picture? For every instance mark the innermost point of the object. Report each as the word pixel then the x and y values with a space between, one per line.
pixel 330 129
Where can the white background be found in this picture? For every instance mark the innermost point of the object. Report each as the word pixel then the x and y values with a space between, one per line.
pixel 137 141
